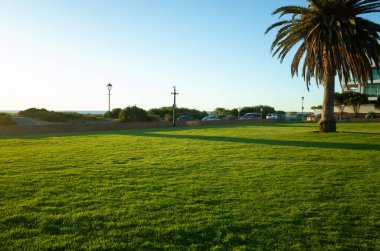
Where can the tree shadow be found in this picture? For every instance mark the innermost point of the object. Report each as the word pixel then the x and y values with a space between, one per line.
pixel 361 133
pixel 166 133
pixel 272 142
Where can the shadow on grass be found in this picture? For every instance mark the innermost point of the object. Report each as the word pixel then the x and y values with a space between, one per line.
pixel 161 133
pixel 272 142
pixel 362 133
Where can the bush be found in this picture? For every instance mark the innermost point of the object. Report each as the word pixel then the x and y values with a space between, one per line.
pixel 370 115
pixel 196 114
pixel 166 113
pixel 225 113
pixel 159 112
pixel 115 113
pixel 6 119
pixel 44 115
pixel 52 116
pixel 266 110
pixel 32 112
pixel 134 114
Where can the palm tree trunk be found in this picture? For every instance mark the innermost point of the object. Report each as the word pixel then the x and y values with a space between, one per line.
pixel 327 122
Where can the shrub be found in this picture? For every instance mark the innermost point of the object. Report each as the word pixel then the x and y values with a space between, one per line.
pixel 159 112
pixel 44 115
pixel 6 119
pixel 266 109
pixel 134 114
pixel 370 115
pixel 166 113
pixel 52 116
pixel 115 113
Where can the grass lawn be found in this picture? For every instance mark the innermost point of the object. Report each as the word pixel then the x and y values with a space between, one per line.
pixel 264 186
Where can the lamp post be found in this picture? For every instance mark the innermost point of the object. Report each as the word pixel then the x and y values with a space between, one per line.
pixel 261 109
pixel 109 87
pixel 174 104
pixel 302 107
pixel 239 109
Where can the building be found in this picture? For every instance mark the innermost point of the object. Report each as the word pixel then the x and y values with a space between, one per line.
pixel 372 90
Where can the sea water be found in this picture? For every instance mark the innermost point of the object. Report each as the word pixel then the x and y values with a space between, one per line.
pixel 94 112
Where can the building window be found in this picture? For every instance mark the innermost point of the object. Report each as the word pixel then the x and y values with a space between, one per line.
pixel 372 90
pixel 375 74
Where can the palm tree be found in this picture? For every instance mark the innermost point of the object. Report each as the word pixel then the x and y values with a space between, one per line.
pixel 333 41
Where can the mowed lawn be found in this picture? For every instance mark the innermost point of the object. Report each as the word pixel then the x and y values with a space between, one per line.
pixel 256 187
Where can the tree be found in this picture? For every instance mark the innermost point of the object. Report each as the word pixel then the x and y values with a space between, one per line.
pixel 356 99
pixel 233 112
pixel 340 101
pixel 318 107
pixel 219 111
pixel 333 41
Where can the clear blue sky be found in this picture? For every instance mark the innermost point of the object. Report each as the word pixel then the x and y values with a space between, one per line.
pixel 61 54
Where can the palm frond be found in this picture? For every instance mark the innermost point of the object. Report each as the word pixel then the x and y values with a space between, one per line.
pixel 291 10
pixel 331 38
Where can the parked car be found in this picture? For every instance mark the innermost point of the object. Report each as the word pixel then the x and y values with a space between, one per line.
pixel 185 118
pixel 250 115
pixel 280 116
pixel 271 116
pixel 229 117
pixel 210 118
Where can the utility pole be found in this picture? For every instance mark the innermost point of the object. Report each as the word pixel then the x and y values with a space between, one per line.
pixel 174 104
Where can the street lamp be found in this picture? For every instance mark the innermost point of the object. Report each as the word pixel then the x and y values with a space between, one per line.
pixel 302 107
pixel 174 105
pixel 109 87
pixel 261 112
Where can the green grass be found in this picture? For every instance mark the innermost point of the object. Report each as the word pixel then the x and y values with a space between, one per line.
pixel 269 187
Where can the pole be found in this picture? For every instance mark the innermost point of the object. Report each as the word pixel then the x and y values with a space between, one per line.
pixel 109 87
pixel 109 104
pixel 302 107
pixel 174 104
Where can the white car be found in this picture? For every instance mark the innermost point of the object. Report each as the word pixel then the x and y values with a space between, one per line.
pixel 210 118
pixel 271 116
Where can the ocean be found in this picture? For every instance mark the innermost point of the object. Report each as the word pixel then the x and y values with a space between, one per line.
pixel 77 111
